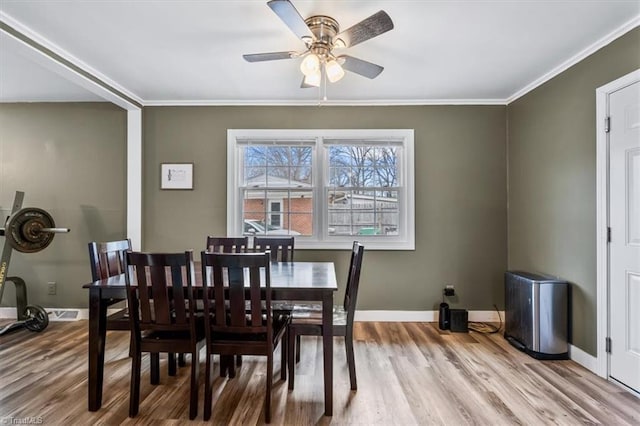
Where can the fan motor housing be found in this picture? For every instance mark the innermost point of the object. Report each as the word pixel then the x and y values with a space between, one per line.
pixel 324 28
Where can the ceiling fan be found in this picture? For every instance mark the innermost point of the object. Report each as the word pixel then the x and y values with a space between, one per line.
pixel 321 36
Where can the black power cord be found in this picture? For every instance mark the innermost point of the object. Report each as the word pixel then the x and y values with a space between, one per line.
pixel 483 327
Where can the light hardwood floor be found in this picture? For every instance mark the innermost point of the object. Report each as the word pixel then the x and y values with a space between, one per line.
pixel 408 374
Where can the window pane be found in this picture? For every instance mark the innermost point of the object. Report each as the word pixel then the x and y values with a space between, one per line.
pixel 300 176
pixel 273 212
pixel 340 155
pixel 358 212
pixel 277 166
pixel 340 176
pixel 254 176
pixel 277 176
pixel 362 166
pixel 301 223
pixel 255 156
pixel 301 155
pixel 386 161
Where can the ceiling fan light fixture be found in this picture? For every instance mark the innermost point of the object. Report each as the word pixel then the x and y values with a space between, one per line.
pixel 310 65
pixel 313 79
pixel 334 71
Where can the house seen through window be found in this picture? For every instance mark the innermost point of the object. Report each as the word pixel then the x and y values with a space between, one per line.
pixel 326 187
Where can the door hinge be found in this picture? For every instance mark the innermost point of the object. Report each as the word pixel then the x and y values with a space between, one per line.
pixel 608 234
pixel 607 124
pixel 607 345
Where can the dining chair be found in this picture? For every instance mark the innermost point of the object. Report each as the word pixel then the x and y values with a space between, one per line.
pixel 281 248
pixel 162 315
pixel 107 260
pixel 307 320
pixel 233 282
pixel 227 244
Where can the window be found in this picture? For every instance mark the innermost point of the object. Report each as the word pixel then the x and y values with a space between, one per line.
pixel 326 187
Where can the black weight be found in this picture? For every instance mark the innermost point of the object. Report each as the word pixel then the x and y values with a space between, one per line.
pixel 23 230
pixel 37 318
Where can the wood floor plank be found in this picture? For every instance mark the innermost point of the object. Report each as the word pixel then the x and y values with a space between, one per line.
pixel 408 374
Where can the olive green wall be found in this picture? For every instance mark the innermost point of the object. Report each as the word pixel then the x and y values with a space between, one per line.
pixel 460 173
pixel 69 159
pixel 552 177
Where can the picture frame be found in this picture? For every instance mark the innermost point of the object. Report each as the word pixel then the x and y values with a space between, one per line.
pixel 176 176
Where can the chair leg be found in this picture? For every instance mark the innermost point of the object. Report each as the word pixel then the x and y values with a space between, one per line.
pixel 131 345
pixel 227 367
pixel 267 399
pixel 351 361
pixel 208 384
pixel 291 343
pixel 155 368
pixel 181 361
pixel 134 396
pixel 193 393
pixel 298 348
pixel 283 356
pixel 238 360
pixel 171 364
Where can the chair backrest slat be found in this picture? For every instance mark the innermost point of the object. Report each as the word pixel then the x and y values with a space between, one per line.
pixel 107 258
pixel 179 302
pixel 144 295
pixel 227 244
pixel 281 248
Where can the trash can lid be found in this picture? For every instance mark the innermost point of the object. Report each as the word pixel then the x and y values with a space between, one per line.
pixel 541 278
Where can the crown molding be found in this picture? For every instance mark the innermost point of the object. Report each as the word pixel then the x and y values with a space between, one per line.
pixel 613 35
pixel 329 102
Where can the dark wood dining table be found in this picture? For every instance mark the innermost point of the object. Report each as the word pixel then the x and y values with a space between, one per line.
pixel 303 281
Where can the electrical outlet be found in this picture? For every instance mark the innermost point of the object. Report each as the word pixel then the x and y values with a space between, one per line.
pixel 449 290
pixel 52 288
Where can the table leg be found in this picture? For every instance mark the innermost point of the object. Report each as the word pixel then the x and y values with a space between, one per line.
pixel 97 336
pixel 327 346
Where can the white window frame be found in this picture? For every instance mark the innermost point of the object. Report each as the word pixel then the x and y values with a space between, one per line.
pixel 321 239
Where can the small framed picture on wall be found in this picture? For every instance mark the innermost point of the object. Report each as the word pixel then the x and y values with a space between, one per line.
pixel 176 176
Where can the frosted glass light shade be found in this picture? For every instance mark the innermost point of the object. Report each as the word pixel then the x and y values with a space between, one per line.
pixel 334 71
pixel 310 64
pixel 313 79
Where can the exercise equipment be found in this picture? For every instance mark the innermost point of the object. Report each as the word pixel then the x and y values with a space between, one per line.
pixel 27 230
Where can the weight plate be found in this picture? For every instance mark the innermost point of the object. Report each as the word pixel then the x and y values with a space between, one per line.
pixel 37 318
pixel 23 230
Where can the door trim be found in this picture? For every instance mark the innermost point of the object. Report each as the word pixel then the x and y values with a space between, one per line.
pixel 602 217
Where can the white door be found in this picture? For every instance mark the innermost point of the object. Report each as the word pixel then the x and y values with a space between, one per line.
pixel 624 249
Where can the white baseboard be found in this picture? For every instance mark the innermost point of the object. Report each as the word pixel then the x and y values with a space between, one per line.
pixel 422 316
pixel 56 314
pixel 586 360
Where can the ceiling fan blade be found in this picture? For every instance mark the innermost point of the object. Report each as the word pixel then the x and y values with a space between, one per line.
pixel 290 16
pixel 374 25
pixel 270 56
pixel 358 66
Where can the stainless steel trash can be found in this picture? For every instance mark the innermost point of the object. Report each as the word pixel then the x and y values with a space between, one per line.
pixel 537 314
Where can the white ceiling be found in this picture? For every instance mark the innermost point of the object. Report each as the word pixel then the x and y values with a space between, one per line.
pixel 190 51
